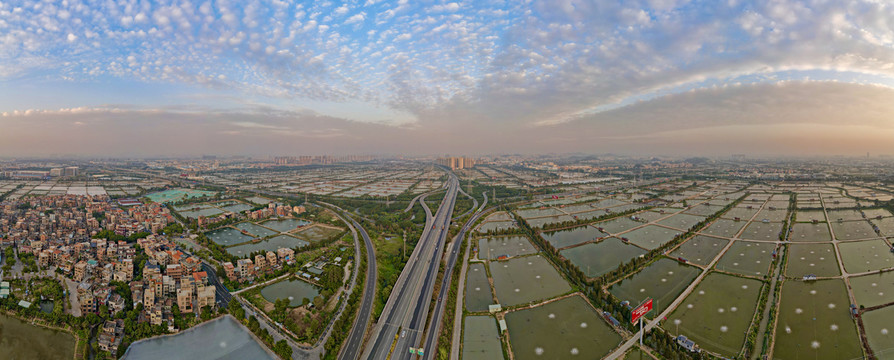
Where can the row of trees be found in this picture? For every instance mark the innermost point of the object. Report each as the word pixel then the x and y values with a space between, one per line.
pixel 593 288
pixel 342 327
pixel 583 221
pixel 281 347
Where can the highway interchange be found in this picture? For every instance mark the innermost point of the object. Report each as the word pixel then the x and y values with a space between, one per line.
pixel 402 323
pixel 407 308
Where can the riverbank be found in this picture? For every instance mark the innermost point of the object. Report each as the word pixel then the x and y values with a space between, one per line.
pixel 223 338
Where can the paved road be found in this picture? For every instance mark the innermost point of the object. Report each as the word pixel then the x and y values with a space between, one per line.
pixel 474 204
pixel 353 345
pixel 410 207
pixel 458 312
pixel 407 307
pixel 223 294
pixel 416 325
pixel 434 326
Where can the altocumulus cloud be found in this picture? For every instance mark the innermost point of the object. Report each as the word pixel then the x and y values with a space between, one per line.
pixel 537 67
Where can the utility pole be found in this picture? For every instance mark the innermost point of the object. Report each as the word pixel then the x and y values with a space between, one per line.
pixel 641 334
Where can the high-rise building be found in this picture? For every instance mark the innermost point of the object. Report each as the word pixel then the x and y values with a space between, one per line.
pixel 455 163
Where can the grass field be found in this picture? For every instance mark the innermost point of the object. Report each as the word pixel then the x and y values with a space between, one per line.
pixel 873 290
pixel 879 326
pixel 814 322
pixel 812 259
pixel 863 256
pixel 492 248
pixel 523 280
pixel 477 292
pixel 747 258
pixel 565 238
pixel 716 315
pixel 316 233
pixel 566 329
pixel 481 339
pixel 636 354
pixel 602 257
pixel 700 249
pixel 662 281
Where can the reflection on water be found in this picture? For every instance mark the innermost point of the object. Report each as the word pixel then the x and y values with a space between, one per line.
pixel 22 341
pixel 222 338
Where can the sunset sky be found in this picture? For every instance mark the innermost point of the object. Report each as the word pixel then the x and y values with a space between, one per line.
pixel 141 78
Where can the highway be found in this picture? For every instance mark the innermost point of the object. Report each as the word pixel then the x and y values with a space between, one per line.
pixel 434 327
pixel 474 205
pixel 407 307
pixel 354 343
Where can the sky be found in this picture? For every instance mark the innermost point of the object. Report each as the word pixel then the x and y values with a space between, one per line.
pixel 673 77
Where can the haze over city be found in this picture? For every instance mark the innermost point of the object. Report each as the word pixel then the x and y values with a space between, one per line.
pixel 139 78
pixel 446 179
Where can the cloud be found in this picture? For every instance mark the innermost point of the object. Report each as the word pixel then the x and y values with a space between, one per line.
pixel 356 18
pixel 449 7
pixel 832 118
pixel 538 64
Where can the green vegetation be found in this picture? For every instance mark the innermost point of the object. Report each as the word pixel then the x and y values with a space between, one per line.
pixel 112 236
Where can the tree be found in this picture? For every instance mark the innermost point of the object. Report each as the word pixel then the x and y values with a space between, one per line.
pixel 235 308
pixel 283 349
pixel 280 306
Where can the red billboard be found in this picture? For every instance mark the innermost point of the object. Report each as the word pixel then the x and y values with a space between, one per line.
pixel 641 310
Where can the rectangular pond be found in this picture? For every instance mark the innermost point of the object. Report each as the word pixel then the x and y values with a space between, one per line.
pixel 284 225
pixel 294 290
pixel 814 319
pixel 477 293
pixel 481 340
pixel 254 229
pixel 228 236
pixel 272 244
pixel 662 281
pixel 509 246
pixel 564 329
pixel 177 195
pixel 716 315
pixel 700 250
pixel 523 280
pixel 597 259
pixel 564 238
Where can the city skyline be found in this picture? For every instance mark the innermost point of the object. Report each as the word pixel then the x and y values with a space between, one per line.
pixel 651 77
